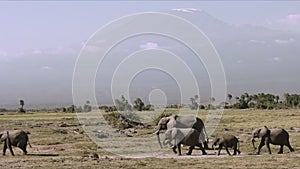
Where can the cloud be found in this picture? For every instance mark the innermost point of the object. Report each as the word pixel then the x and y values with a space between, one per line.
pixel 289 22
pixel 257 41
pixel 291 19
pixel 284 41
pixel 276 59
pixel 47 68
pixel 3 55
pixel 149 45
pixel 37 52
pixel 187 10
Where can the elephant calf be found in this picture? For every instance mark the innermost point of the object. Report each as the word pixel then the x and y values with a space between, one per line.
pixel 276 136
pixel 186 136
pixel 227 141
pixel 17 138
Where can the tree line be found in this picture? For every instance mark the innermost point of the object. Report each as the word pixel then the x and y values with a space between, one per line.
pixel 256 101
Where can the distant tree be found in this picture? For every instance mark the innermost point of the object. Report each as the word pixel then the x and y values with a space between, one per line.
pixel 139 104
pixel 71 109
pixel 87 107
pixel 229 98
pixel 21 109
pixel 64 109
pixel 212 99
pixel 277 99
pixel 123 105
pixel 194 104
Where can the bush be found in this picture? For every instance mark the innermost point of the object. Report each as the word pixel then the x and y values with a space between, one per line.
pixel 122 121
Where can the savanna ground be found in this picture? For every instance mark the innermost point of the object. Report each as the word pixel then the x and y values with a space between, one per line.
pixel 56 145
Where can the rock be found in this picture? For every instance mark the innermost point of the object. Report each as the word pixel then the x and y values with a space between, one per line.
pixel 101 134
pixel 132 130
pixel 95 156
pixel 63 125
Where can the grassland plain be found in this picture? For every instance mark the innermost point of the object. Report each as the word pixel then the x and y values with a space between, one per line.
pixel 56 145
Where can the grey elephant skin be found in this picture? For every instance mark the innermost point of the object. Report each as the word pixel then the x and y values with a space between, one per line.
pixel 276 136
pixel 181 122
pixel 186 136
pixel 17 138
pixel 227 141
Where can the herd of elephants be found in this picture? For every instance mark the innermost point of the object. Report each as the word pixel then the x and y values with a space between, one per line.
pixel 180 130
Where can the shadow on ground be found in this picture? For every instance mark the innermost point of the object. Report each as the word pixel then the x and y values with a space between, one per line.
pixel 44 155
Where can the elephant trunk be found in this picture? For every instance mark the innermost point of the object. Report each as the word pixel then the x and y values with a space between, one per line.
pixel 253 143
pixel 158 138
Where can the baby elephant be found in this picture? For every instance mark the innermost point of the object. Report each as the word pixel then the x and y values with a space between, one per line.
pixel 227 141
pixel 186 136
pixel 17 138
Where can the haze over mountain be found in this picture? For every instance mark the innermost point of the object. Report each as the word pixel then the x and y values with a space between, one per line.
pixel 255 58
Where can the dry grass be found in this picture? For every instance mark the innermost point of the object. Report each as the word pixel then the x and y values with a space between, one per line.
pixel 57 146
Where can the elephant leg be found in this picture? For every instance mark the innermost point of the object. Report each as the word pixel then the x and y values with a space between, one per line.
pixel 8 144
pixel 205 145
pixel 174 149
pixel 220 148
pixel 290 147
pixel 234 149
pixel 202 149
pixel 24 150
pixel 4 148
pixel 179 149
pixel 281 149
pixel 268 146
pixel 262 143
pixel 23 146
pixel 190 150
pixel 226 148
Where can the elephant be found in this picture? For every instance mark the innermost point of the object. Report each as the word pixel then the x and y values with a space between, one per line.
pixel 275 136
pixel 227 141
pixel 186 136
pixel 182 122
pixel 17 138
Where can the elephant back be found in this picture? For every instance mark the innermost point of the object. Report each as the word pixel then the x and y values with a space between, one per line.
pixel 189 122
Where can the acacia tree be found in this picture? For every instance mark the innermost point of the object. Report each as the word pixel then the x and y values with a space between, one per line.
pixel 21 109
pixel 194 105
pixel 87 107
pixel 229 98
pixel 139 104
pixel 122 105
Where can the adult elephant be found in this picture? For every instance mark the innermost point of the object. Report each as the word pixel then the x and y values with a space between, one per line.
pixel 276 136
pixel 182 122
pixel 185 136
pixel 17 138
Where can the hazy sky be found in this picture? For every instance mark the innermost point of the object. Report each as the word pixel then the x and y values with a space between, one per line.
pixel 39 42
pixel 34 25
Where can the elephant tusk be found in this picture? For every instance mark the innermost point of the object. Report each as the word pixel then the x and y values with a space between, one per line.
pixel 156 132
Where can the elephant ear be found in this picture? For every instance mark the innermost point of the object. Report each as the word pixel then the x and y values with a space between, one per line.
pixel 258 131
pixel 174 133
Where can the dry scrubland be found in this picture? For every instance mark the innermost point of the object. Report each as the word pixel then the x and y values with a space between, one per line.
pixel 55 145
